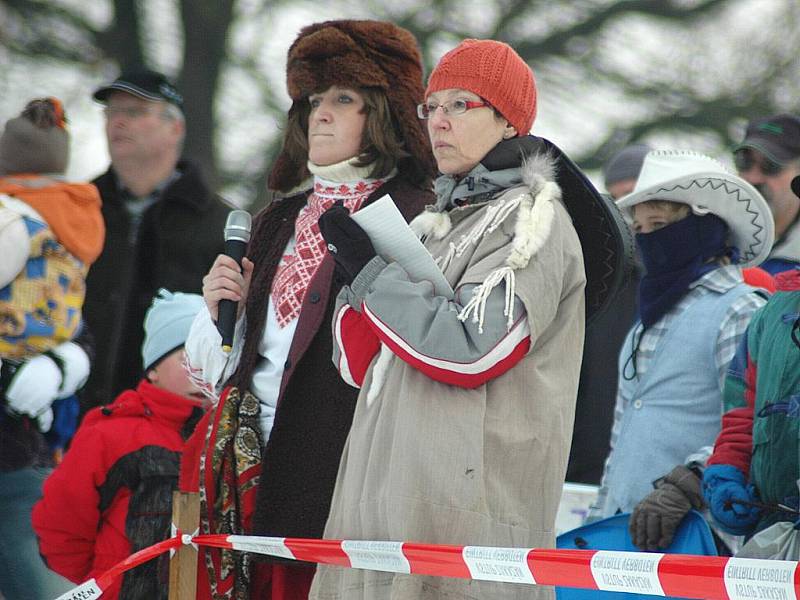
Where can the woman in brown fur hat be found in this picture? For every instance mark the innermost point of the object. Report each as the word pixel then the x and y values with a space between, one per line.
pixel 265 459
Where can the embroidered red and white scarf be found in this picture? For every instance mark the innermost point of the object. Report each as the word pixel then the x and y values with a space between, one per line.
pixel 296 271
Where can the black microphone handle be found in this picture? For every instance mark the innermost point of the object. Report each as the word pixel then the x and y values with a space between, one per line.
pixel 226 318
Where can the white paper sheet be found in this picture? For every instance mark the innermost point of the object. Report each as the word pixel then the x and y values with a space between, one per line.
pixel 395 242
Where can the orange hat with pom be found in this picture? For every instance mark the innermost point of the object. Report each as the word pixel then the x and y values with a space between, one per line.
pixel 495 72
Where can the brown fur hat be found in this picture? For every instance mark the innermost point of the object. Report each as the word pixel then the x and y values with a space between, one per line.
pixel 359 54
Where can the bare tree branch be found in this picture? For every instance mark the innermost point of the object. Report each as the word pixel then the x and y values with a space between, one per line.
pixel 37 28
pixel 557 42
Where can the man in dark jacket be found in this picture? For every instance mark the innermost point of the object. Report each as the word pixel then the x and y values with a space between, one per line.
pixel 164 227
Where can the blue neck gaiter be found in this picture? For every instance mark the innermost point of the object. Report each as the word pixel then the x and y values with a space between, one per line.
pixel 674 257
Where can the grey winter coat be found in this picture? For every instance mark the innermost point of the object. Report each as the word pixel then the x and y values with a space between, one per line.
pixel 474 462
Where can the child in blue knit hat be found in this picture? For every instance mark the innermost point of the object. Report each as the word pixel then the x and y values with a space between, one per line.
pixel 112 494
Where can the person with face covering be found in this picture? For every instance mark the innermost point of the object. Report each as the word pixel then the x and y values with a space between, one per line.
pixel 265 459
pixel 462 428
pixel 696 226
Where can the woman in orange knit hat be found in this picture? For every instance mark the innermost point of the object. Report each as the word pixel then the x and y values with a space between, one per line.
pixel 462 428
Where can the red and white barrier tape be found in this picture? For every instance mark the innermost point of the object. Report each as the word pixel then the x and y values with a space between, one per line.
pixel 682 575
pixel 94 587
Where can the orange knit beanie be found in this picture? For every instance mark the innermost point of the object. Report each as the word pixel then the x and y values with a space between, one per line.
pixel 495 72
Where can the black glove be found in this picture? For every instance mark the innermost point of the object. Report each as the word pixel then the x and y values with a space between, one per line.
pixel 655 519
pixel 347 242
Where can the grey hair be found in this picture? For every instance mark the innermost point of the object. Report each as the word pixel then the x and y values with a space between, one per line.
pixel 173 112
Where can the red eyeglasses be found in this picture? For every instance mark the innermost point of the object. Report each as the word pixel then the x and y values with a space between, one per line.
pixel 450 108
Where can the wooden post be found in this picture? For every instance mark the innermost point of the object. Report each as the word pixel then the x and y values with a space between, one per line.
pixel 183 565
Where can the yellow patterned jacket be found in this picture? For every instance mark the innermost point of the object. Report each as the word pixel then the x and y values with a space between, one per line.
pixel 41 307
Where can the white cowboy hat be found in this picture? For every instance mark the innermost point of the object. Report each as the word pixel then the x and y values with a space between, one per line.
pixel 708 187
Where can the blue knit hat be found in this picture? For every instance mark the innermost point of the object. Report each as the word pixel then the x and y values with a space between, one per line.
pixel 167 324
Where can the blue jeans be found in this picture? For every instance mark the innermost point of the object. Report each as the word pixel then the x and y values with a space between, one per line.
pixel 23 574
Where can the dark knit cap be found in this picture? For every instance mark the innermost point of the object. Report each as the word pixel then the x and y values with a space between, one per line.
pixel 36 141
pixel 359 54
pixel 625 164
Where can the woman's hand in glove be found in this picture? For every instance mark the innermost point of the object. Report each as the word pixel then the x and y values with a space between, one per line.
pixel 347 242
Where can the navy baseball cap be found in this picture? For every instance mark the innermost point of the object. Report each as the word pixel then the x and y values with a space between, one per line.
pixel 143 83
pixel 776 137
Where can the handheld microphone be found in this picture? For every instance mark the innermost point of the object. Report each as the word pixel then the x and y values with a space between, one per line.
pixel 237 235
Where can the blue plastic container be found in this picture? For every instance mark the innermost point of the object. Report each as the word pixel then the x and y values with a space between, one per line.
pixel 692 537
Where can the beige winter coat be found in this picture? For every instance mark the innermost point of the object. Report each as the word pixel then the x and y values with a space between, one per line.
pixel 430 462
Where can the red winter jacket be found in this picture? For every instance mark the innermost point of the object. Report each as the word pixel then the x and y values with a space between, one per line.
pixel 112 494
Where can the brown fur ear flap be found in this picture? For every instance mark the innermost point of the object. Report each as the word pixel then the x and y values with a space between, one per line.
pixel 288 171
pixel 283 176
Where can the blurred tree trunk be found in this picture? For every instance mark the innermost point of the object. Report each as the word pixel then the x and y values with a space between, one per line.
pixel 123 40
pixel 206 24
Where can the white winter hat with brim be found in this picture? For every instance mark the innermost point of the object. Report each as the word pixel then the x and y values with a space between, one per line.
pixel 708 187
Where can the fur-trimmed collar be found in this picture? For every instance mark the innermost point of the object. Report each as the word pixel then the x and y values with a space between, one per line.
pixel 533 200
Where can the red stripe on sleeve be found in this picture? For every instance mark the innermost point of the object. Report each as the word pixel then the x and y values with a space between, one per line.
pixel 357 344
pixel 459 374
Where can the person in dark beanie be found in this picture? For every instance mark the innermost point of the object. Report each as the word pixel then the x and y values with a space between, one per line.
pixel 43 219
pixel 163 225
pixel 461 430
pixel 622 170
pixel 271 446
pixel 112 494
pixel 51 231
pixel 769 159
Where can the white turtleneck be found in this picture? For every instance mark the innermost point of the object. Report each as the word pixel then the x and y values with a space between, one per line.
pixel 203 347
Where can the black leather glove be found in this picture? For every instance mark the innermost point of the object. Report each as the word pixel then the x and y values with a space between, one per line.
pixel 347 242
pixel 655 519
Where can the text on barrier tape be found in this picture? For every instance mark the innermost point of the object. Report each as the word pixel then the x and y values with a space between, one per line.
pixel 681 575
pixel 85 591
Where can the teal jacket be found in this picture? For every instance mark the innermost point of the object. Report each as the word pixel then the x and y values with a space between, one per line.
pixel 761 423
